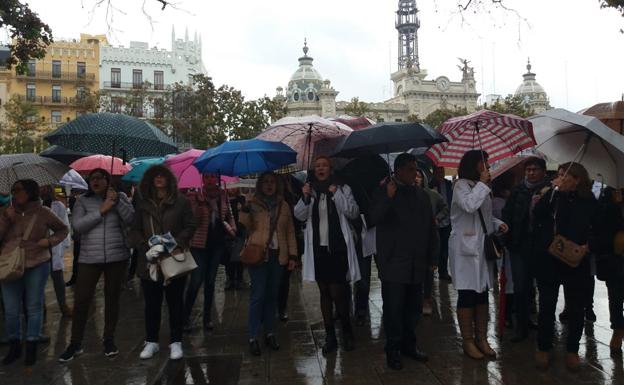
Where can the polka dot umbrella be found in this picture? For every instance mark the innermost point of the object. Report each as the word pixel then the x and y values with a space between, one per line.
pixel 112 134
pixel 44 171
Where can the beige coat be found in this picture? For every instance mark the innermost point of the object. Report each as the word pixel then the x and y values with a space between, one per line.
pixel 257 222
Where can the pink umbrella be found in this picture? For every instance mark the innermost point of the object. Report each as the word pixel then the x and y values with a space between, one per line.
pixel 188 176
pixel 87 164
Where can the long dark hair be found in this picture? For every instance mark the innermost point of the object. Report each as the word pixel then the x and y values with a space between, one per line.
pixel 468 165
pixel 147 189
pixel 106 176
pixel 578 171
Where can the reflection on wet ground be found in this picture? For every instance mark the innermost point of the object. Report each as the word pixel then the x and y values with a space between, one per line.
pixel 221 356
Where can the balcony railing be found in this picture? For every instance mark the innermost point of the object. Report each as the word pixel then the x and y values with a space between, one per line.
pixel 135 86
pixel 51 100
pixel 58 76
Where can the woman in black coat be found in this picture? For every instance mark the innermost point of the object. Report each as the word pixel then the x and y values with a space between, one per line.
pixel 568 209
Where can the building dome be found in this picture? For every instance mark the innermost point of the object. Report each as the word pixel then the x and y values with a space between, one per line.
pixel 306 82
pixel 532 92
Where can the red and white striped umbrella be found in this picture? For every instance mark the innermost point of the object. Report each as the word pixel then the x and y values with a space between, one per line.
pixel 500 135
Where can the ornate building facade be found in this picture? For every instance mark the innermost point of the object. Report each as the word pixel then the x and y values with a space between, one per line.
pixel 414 95
pixel 126 70
pixel 532 93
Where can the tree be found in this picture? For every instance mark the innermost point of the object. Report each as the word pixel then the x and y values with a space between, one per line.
pixel 30 36
pixel 437 117
pixel 512 104
pixel 23 122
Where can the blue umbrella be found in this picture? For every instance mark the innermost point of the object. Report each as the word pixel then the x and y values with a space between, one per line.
pixel 243 157
pixel 139 166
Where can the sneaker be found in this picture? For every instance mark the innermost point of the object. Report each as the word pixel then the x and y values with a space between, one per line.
pixel 149 349
pixel 175 351
pixel 110 350
pixel 73 350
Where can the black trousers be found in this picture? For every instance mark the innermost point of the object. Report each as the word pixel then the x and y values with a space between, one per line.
pixel 362 287
pixel 576 297
pixel 402 306
pixel 284 291
pixel 153 293
pixel 615 288
pixel 445 233
pixel 522 274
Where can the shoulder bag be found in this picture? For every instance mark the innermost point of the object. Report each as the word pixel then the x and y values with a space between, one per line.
pixel 175 265
pixel 492 243
pixel 564 249
pixel 254 255
pixel 12 263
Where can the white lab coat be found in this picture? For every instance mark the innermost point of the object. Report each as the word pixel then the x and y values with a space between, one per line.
pixel 467 264
pixel 58 251
pixel 347 209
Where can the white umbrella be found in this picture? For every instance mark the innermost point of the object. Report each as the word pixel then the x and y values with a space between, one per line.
pixel 73 180
pixel 44 171
pixel 564 136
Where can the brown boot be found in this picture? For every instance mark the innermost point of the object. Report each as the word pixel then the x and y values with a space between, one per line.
pixel 573 361
pixel 616 342
pixel 66 311
pixel 481 324
pixel 465 318
pixel 542 359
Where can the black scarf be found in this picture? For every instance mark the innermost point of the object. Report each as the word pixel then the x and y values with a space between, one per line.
pixel 336 239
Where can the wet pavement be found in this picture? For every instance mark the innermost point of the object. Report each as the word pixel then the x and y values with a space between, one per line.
pixel 221 356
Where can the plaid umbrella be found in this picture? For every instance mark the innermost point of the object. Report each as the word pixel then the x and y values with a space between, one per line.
pixel 302 133
pixel 500 135
pixel 44 171
pixel 112 134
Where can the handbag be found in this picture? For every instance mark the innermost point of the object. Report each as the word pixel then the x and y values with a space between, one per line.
pixel 254 255
pixel 175 265
pixel 13 263
pixel 492 243
pixel 564 249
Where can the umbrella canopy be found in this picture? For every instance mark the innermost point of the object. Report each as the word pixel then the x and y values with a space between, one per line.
pixel 384 138
pixel 564 136
pixel 63 154
pixel 611 114
pixel 302 133
pixel 139 166
pixel 364 175
pixel 109 134
pixel 500 135
pixel 44 171
pixel 244 157
pixel 87 164
pixel 508 164
pixel 182 167
pixel 354 123
pixel 73 180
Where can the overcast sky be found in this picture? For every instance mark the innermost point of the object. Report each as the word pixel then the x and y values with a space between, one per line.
pixel 575 47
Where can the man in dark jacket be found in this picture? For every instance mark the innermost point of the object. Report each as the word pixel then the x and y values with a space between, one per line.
pixel 518 214
pixel 406 243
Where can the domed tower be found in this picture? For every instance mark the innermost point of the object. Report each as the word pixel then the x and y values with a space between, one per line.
pixel 532 93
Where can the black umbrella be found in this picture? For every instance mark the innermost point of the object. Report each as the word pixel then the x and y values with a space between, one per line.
pixel 364 175
pixel 62 154
pixel 112 134
pixel 384 138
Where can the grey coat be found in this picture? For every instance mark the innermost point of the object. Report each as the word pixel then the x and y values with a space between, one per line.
pixel 102 238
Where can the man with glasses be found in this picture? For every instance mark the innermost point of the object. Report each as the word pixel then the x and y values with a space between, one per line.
pixel 518 214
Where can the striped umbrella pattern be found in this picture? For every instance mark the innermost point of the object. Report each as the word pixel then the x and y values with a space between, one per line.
pixel 44 171
pixel 500 135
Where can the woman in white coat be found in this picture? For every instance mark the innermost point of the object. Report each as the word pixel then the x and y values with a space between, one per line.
pixel 330 256
pixel 472 274
pixel 57 205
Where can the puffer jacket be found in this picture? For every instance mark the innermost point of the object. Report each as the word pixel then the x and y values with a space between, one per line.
pixel 257 221
pixel 103 238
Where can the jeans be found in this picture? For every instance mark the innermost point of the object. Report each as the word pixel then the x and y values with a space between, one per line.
pixel 153 294
pixel 265 282
pixel 29 289
pixel 575 305
pixel 86 282
pixel 522 281
pixel 207 266
pixel 445 233
pixel 58 280
pixel 615 288
pixel 362 287
pixel 402 306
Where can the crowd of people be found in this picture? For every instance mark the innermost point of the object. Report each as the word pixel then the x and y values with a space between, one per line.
pixel 410 228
